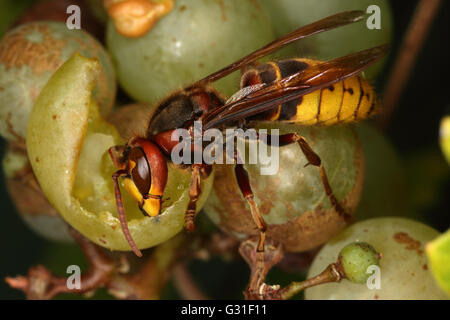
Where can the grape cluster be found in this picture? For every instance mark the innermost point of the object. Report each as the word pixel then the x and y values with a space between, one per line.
pixel 59 113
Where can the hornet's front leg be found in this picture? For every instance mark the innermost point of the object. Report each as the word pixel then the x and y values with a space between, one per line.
pixel 260 269
pixel 199 172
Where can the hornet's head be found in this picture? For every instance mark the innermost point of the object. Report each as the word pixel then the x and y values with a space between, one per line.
pixel 143 167
pixel 146 174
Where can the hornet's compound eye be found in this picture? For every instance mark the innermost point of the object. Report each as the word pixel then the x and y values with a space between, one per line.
pixel 139 169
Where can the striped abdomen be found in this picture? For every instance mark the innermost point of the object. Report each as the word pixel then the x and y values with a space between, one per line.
pixel 352 99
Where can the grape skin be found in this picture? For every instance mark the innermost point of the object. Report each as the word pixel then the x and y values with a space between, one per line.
pixel 293 201
pixel 405 273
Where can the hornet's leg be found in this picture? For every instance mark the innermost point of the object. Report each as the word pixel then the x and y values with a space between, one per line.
pixel 314 160
pixel 199 172
pixel 259 271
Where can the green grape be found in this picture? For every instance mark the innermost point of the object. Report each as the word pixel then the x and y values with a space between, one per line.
pixel 385 190
pixel 288 15
pixel 31 204
pixel 355 258
pixel 292 201
pixel 195 39
pixel 403 267
pixel 29 55
pixel 67 144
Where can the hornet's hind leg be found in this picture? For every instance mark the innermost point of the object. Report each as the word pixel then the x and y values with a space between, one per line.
pixel 313 159
pixel 256 285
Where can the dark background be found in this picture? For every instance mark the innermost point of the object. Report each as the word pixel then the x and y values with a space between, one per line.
pixel 414 132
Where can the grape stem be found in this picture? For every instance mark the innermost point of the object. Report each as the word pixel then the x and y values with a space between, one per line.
pixel 410 48
pixel 260 265
pixel 331 274
pixel 43 285
pixel 258 289
pixel 105 270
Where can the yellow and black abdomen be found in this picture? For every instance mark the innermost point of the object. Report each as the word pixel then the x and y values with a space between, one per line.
pixel 350 100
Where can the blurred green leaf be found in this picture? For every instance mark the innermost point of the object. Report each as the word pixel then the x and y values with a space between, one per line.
pixel 444 137
pixel 438 252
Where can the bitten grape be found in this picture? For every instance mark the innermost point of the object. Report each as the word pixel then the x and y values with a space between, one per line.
pixel 74 169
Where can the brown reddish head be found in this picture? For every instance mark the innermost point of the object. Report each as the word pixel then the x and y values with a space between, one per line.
pixel 144 168
pixel 146 174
